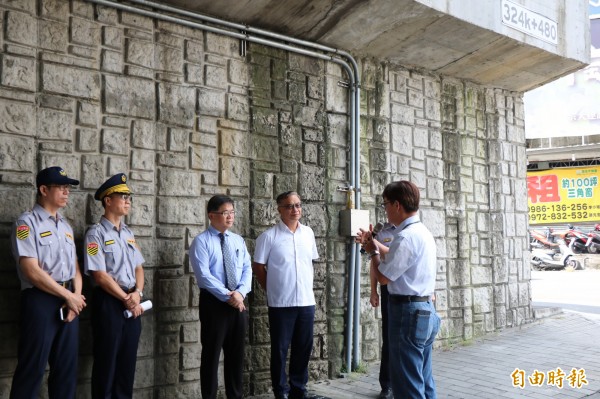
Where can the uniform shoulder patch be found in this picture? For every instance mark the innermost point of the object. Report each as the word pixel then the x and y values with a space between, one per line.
pixel 92 248
pixel 22 231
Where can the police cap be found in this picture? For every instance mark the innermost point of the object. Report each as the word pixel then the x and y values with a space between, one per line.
pixel 54 175
pixel 116 184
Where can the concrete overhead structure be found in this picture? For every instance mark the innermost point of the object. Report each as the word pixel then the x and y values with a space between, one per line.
pixel 466 39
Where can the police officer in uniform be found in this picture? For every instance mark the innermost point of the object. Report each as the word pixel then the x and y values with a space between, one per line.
pixel 114 261
pixel 44 250
pixel 383 241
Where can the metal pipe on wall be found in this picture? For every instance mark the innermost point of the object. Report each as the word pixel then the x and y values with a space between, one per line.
pixel 358 260
pixel 349 65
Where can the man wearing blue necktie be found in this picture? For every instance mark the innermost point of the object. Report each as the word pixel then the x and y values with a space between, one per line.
pixel 221 263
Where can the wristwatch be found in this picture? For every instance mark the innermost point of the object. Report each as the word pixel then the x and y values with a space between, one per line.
pixel 139 292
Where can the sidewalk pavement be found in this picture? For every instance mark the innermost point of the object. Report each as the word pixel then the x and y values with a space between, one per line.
pixel 482 369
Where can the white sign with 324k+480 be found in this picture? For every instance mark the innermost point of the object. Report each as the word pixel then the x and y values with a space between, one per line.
pixel 520 18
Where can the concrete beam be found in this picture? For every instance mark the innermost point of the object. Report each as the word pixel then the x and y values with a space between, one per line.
pixel 465 39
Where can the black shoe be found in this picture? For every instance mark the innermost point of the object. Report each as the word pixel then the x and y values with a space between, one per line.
pixel 311 396
pixel 386 394
pixel 306 395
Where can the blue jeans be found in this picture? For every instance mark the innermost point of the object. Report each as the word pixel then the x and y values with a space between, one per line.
pixel 412 330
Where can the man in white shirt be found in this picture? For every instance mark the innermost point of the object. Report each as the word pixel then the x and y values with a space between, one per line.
pixel 409 270
pixel 283 267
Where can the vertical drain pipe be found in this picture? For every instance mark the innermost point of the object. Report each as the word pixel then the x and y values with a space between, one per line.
pixel 354 265
pixel 350 325
pixel 358 261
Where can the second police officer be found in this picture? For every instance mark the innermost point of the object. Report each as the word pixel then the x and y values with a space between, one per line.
pixel 114 261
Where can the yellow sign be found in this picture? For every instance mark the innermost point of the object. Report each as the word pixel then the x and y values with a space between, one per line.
pixel 567 195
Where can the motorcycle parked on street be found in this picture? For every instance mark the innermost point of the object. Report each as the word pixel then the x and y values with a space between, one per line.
pixel 539 239
pixel 575 239
pixel 544 258
pixel 593 243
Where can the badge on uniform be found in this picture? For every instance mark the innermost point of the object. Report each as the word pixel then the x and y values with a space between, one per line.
pixel 45 234
pixel 92 248
pixel 69 236
pixel 22 232
pixel 109 242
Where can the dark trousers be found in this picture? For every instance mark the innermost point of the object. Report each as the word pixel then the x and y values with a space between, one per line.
pixel 384 368
pixel 115 347
pixel 221 327
pixel 45 339
pixel 293 325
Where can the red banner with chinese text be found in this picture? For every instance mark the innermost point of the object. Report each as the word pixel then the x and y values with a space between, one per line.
pixel 569 195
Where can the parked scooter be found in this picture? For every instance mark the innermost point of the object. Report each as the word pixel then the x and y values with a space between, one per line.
pixel 539 239
pixel 575 239
pixel 593 243
pixel 548 259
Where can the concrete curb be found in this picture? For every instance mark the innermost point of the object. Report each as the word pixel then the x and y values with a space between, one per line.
pixel 543 312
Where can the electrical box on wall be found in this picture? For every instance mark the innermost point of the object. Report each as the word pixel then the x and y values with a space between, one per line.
pixel 353 219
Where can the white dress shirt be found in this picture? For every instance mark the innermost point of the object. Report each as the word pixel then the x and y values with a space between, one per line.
pixel 288 257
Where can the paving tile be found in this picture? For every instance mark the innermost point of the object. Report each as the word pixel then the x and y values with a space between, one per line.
pixel 482 370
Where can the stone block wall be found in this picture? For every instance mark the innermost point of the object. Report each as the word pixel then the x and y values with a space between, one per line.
pixel 99 91
pixel 463 145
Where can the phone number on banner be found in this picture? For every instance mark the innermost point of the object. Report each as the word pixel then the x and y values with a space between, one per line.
pixel 563 213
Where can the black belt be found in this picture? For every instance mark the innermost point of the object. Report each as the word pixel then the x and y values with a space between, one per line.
pixel 127 290
pixel 408 298
pixel 66 284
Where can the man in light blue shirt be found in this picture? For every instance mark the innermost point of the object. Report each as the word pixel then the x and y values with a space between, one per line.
pixel 221 263
pixel 409 270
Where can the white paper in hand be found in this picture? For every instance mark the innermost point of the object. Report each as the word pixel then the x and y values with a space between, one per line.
pixel 146 305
